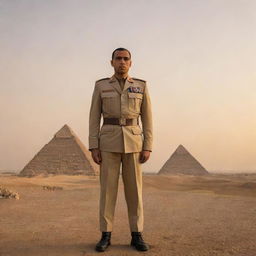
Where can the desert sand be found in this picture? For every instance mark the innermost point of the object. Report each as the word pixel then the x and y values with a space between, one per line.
pixel 184 216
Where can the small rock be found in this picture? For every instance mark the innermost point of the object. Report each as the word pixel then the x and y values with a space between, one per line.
pixel 6 193
pixel 52 188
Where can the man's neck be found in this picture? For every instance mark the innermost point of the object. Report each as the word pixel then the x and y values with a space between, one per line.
pixel 121 76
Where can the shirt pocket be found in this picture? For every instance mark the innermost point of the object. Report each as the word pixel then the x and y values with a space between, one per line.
pixel 110 104
pixel 136 131
pixel 134 101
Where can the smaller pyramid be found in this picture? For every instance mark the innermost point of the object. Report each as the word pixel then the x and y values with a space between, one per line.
pixel 64 154
pixel 182 162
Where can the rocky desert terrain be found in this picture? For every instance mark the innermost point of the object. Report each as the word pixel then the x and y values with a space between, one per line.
pixel 184 216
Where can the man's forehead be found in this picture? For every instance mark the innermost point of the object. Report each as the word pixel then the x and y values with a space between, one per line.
pixel 122 53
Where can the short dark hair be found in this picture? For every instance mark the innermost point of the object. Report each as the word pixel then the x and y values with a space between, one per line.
pixel 120 49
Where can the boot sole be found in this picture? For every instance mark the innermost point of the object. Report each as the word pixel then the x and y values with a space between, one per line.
pixel 99 249
pixel 139 249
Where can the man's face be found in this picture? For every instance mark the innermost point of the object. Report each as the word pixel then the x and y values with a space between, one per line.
pixel 121 62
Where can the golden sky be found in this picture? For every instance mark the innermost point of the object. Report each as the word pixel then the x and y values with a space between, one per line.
pixel 198 58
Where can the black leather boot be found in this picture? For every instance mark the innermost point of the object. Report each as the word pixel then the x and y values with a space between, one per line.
pixel 104 242
pixel 138 242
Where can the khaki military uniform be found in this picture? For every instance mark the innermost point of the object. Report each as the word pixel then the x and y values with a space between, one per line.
pixel 121 144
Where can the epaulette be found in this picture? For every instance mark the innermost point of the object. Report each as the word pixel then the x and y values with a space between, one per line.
pixel 134 78
pixel 102 79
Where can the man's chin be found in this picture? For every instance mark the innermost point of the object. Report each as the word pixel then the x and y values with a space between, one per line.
pixel 122 72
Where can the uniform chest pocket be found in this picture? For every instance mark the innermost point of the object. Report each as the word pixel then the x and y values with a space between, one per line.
pixel 134 101
pixel 110 103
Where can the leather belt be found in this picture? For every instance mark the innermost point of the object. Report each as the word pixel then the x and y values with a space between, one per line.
pixel 121 121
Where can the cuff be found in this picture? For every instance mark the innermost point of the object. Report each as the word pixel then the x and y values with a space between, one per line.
pixel 93 142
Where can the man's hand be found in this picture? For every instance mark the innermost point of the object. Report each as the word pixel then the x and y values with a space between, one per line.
pixel 96 156
pixel 144 156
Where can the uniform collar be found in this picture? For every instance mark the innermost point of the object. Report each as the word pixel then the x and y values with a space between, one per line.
pixel 114 79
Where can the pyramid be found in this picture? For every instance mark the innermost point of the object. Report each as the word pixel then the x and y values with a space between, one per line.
pixel 64 154
pixel 182 162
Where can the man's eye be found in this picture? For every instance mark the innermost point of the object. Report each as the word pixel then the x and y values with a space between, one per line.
pixel 120 58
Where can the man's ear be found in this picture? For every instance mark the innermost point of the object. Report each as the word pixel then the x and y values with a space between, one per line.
pixel 111 63
pixel 130 63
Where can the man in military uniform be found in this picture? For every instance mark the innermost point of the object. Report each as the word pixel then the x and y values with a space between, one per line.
pixel 121 100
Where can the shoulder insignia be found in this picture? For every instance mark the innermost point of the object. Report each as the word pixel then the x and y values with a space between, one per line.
pixel 134 78
pixel 102 79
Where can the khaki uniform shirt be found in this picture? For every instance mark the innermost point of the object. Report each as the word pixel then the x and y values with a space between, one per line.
pixel 121 82
pixel 110 101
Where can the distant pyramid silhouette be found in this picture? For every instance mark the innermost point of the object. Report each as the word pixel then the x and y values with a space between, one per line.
pixel 182 162
pixel 64 154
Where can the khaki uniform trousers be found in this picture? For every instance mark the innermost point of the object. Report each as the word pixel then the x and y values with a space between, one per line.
pixel 132 179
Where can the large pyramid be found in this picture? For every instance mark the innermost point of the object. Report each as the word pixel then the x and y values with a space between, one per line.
pixel 64 154
pixel 182 162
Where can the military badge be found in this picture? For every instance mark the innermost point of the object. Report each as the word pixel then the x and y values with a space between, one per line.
pixel 135 89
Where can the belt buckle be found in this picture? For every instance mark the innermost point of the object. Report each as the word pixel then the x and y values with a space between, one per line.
pixel 122 121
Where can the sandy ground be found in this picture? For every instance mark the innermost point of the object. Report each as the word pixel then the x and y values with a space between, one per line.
pixel 184 216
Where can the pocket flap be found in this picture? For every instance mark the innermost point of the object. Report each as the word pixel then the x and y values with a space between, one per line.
pixel 136 131
pixel 135 95
pixel 108 94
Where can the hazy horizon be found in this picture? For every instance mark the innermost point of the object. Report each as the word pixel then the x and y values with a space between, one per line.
pixel 198 58
pixel 156 172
